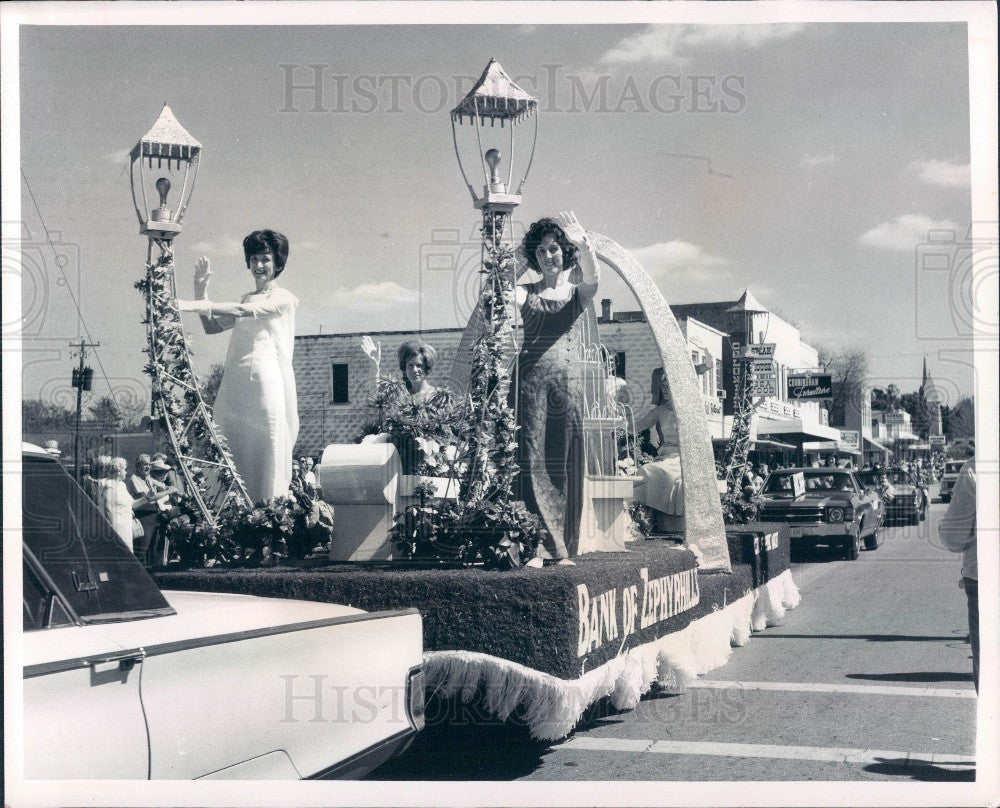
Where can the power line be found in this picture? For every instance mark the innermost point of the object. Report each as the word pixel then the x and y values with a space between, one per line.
pixel 81 322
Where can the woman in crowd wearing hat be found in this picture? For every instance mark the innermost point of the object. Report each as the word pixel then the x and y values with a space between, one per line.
pixel 554 296
pixel 256 407
pixel 662 487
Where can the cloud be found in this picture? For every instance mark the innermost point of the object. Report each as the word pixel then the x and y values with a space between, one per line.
pixel 673 44
pixel 668 257
pixel 904 232
pixel 119 157
pixel 942 173
pixel 372 296
pixel 227 248
pixel 813 160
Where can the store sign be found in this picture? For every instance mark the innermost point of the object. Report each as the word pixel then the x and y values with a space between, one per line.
pixel 761 367
pixel 761 350
pixel 809 386
pixel 850 438
pixel 764 386
pixel 895 418
pixel 937 440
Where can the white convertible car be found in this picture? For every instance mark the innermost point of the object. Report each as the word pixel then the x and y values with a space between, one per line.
pixel 124 681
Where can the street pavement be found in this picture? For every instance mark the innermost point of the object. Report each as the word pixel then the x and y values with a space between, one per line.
pixel 868 679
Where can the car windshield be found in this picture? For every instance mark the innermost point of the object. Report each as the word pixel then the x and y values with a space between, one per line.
pixel 817 480
pixel 898 477
pixel 78 566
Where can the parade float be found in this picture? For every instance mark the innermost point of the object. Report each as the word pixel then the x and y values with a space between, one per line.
pixel 442 512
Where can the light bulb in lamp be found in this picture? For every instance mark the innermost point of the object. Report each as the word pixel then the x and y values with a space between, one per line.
pixel 162 213
pixel 492 158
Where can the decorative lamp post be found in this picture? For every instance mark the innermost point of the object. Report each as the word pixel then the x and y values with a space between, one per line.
pixel 165 158
pixel 494 99
pixel 171 144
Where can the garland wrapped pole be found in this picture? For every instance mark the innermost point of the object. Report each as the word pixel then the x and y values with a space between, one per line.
pixel 215 495
pixel 488 489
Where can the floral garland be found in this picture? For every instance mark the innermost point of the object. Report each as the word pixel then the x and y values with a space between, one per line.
pixel 242 532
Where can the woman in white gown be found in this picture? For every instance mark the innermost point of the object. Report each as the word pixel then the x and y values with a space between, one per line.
pixel 662 488
pixel 256 407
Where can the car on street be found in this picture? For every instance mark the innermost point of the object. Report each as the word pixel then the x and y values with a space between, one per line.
pixel 949 477
pixel 124 681
pixel 828 506
pixel 905 497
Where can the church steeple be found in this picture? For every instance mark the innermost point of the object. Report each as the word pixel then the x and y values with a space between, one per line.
pixel 932 400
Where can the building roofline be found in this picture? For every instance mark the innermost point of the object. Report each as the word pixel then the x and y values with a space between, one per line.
pixel 382 333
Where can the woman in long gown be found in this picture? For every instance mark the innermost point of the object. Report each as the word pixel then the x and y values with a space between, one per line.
pixel 256 407
pixel 551 380
pixel 662 488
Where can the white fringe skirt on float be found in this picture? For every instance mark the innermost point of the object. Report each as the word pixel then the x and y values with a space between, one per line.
pixel 551 707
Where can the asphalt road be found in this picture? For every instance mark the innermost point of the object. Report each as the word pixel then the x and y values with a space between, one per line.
pixel 868 679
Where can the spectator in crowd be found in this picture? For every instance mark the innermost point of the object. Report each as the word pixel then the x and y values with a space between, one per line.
pixel 117 503
pixel 308 477
pixel 168 508
pixel 152 497
pixel 958 533
pixel 52 447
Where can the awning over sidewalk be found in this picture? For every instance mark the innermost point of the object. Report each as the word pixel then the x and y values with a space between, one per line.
pixel 764 444
pixel 829 446
pixel 793 429
pixel 872 445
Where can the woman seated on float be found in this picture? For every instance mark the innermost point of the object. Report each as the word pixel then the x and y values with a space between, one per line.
pixel 662 487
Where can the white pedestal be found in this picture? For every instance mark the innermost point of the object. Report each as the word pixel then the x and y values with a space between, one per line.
pixel 605 521
pixel 361 481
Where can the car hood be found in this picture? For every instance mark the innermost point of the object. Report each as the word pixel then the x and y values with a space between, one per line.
pixel 900 490
pixel 199 615
pixel 809 500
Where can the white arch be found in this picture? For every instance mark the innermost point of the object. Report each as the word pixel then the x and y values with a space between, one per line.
pixel 704 525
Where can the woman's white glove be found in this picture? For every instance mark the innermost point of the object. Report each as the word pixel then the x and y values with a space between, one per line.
pixel 202 272
pixel 372 351
pixel 586 257
pixel 571 226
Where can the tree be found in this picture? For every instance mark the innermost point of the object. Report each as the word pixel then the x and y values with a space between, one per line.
pixel 959 421
pixel 920 418
pixel 40 416
pixel 210 384
pixel 107 414
pixel 848 369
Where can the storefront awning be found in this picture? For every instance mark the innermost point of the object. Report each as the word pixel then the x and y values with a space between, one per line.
pixel 872 445
pixel 764 444
pixel 829 446
pixel 793 429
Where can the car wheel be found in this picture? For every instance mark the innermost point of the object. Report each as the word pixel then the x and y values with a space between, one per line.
pixel 946 497
pixel 853 548
pixel 923 513
pixel 871 542
pixel 914 519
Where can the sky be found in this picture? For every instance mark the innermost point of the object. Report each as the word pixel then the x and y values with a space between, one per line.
pixel 808 162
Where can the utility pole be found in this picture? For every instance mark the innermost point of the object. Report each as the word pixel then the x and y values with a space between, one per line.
pixel 83 379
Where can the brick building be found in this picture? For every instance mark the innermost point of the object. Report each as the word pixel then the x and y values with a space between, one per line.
pixel 335 377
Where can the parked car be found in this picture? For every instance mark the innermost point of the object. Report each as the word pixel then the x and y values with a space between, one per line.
pixel 905 496
pixel 123 681
pixel 833 508
pixel 949 477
